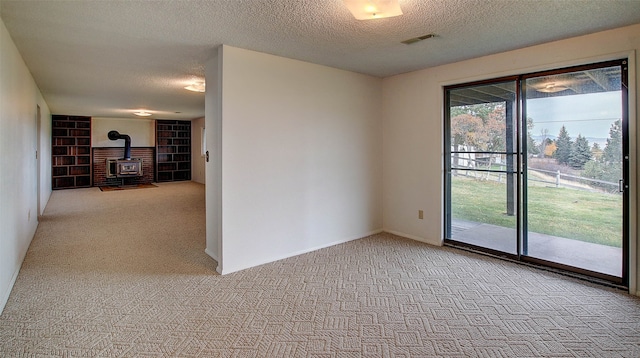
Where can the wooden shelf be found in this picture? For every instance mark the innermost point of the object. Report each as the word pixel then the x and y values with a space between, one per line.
pixel 71 152
pixel 173 150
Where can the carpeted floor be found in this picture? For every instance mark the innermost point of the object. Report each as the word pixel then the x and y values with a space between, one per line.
pixel 124 274
pixel 127 187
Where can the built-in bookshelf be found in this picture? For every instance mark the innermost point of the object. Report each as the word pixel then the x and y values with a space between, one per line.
pixel 173 150
pixel 71 152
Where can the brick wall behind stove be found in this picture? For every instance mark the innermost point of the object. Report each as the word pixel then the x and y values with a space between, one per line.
pixel 100 156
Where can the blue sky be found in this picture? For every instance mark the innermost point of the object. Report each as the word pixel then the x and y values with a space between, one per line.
pixel 590 115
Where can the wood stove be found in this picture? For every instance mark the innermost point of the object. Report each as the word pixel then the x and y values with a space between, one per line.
pixel 124 168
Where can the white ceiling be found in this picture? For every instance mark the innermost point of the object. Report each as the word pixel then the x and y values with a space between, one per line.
pixel 108 58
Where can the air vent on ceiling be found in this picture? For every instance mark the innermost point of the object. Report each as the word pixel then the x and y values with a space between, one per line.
pixel 417 39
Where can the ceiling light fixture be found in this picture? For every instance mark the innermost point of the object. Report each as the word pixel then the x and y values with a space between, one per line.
pixel 142 113
pixel 373 9
pixel 552 88
pixel 198 86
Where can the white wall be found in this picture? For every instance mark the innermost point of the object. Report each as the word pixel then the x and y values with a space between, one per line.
pixel 44 155
pixel 19 98
pixel 413 131
pixel 197 159
pixel 141 130
pixel 213 168
pixel 300 157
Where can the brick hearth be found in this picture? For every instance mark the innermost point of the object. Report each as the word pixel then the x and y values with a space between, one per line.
pixel 100 156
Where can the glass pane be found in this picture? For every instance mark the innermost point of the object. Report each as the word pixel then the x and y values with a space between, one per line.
pixel 482 183
pixel 479 215
pixel 478 117
pixel 574 164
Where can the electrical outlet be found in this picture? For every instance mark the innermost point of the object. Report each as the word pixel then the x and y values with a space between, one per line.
pixel 420 214
pixel 29 215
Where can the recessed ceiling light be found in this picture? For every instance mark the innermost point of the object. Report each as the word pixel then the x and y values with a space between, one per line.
pixel 373 9
pixel 196 86
pixel 552 88
pixel 142 113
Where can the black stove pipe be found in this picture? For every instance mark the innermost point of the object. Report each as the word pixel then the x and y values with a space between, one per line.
pixel 115 135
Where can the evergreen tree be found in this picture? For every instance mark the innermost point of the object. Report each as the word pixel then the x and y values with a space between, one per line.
pixel 596 152
pixel 609 167
pixel 532 147
pixel 613 148
pixel 563 145
pixel 580 152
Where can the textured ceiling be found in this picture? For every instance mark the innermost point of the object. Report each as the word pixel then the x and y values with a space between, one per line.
pixel 107 58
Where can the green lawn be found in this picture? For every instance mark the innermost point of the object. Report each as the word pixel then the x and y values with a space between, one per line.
pixel 569 213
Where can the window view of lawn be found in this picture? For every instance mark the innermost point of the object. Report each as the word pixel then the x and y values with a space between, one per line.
pixel 527 151
pixel 563 212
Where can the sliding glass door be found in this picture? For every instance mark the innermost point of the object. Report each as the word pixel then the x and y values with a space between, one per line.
pixel 576 185
pixel 537 168
pixel 482 200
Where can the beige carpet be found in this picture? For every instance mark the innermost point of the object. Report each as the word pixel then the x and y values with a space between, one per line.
pixel 127 187
pixel 124 274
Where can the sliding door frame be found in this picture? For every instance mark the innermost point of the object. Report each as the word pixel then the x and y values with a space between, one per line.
pixel 624 279
pixel 521 172
pixel 516 170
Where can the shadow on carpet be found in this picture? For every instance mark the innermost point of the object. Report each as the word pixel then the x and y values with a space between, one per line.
pixel 127 187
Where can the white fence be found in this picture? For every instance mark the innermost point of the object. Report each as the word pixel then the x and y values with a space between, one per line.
pixel 490 168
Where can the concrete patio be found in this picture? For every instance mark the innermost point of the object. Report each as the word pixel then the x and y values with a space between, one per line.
pixel 584 255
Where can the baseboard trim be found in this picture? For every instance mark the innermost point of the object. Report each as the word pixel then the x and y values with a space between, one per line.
pixel 215 258
pixel 7 292
pixel 416 238
pixel 211 254
pixel 300 252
